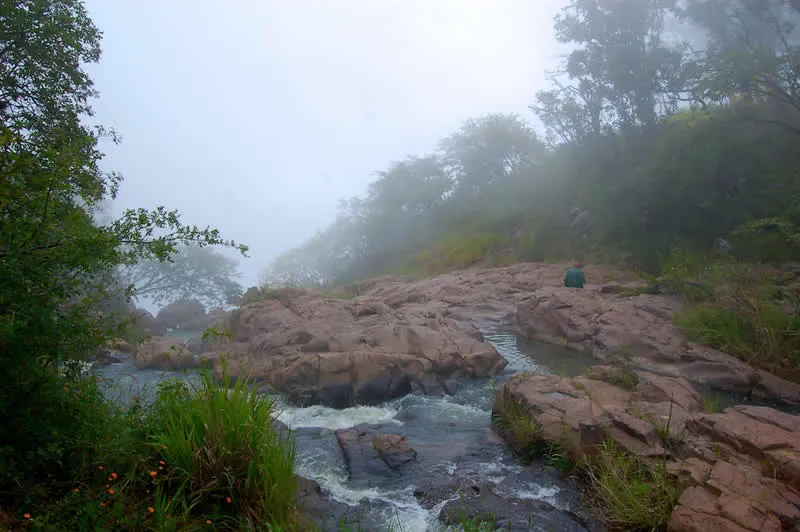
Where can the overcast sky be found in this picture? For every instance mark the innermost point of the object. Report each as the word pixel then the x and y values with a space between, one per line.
pixel 256 116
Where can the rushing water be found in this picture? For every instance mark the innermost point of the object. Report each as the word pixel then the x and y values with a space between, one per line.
pixel 451 434
pixel 452 437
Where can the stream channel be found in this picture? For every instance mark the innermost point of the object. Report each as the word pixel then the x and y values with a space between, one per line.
pixel 456 451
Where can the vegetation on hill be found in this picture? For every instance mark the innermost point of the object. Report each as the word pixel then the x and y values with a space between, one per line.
pixel 671 134
pixel 670 124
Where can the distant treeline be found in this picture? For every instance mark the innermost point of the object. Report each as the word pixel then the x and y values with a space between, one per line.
pixel 653 139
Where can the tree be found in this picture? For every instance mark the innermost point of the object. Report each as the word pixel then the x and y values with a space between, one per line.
pixel 193 272
pixel 621 58
pixel 752 55
pixel 487 150
pixel 53 255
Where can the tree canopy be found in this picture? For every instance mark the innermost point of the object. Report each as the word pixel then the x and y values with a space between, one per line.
pixel 192 272
pixel 669 122
pixel 54 257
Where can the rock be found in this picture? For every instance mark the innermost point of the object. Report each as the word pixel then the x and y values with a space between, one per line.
pixel 394 450
pixel 739 469
pixel 148 324
pixel 327 514
pixel 183 314
pixel 642 329
pixel 163 353
pixel 480 504
pixel 336 352
pixel 104 358
pixel 369 453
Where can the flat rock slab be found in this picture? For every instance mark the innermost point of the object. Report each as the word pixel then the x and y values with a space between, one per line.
pixel 642 328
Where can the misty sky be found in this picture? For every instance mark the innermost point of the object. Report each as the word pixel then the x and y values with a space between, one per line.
pixel 256 116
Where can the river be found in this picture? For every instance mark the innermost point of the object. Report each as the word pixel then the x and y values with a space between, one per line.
pixel 451 434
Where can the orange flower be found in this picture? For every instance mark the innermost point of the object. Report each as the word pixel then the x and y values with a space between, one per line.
pixel 27 516
pixel 76 490
pixel 111 491
pixel 162 462
pixel 161 468
pixel 153 473
pixel 151 509
pixel 100 467
pixel 228 500
pixel 102 504
pixel 208 521
pixel 114 475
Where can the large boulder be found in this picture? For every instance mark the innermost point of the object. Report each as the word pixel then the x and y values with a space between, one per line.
pixel 183 314
pixel 370 453
pixel 163 353
pixel 738 469
pixel 641 328
pixel 336 352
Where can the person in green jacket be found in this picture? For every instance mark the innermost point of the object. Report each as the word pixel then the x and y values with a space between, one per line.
pixel 575 277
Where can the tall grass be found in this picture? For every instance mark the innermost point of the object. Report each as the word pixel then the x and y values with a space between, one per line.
pixel 521 431
pixel 631 494
pixel 220 449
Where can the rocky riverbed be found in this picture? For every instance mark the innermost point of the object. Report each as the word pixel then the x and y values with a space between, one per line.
pixel 416 350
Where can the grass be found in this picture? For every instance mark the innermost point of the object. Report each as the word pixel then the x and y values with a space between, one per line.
pixel 222 452
pixel 712 403
pixel 757 331
pixel 626 491
pixel 621 375
pixel 629 492
pixel 519 429
pixel 200 456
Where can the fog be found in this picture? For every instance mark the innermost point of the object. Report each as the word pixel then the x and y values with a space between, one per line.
pixel 257 117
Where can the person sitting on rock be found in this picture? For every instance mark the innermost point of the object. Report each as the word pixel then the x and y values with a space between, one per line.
pixel 575 277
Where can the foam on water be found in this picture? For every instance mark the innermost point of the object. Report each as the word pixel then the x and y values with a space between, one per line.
pixel 329 418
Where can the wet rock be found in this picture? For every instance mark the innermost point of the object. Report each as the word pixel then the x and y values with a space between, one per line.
pixel 329 515
pixel 641 328
pixel 320 350
pixel 163 353
pixel 369 454
pixel 480 504
pixel 739 469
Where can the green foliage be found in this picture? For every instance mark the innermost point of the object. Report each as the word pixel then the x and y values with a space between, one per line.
pixel 517 426
pixel 220 445
pixel 200 453
pixel 457 251
pixel 631 493
pixel 712 403
pixel 760 332
pixel 55 262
